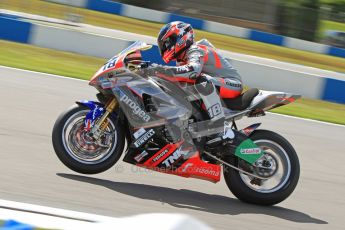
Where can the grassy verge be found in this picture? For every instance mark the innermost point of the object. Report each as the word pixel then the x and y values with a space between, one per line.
pixel 149 28
pixel 78 66
pixel 48 61
pixel 315 109
pixel 330 25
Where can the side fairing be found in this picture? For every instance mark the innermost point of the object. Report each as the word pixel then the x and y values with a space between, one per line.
pixel 145 104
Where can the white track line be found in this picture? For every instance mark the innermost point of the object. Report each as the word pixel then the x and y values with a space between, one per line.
pixel 62 213
pixel 54 218
pixel 47 217
pixel 75 79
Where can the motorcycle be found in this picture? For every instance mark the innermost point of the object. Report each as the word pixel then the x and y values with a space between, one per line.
pixel 167 129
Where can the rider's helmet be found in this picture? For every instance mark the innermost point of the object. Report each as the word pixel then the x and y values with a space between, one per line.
pixel 173 39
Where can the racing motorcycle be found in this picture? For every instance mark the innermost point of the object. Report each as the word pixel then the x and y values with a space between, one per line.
pixel 160 123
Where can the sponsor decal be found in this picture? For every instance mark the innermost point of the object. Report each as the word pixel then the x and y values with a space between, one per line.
pixel 248 151
pixel 251 151
pixel 162 154
pixel 140 156
pixel 111 63
pixel 207 171
pixel 145 137
pixel 231 83
pixel 184 69
pixel 190 169
pixel 138 133
pixel 135 108
pixel 214 110
pixel 174 157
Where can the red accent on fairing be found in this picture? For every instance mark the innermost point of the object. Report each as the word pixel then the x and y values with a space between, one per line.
pixel 193 167
pixel 290 99
pixel 119 62
pixel 196 168
pixel 136 56
pixel 203 106
pixel 174 78
pixel 228 93
pixel 171 148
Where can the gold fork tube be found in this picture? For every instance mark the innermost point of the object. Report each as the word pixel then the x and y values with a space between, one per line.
pixel 111 105
pixel 101 124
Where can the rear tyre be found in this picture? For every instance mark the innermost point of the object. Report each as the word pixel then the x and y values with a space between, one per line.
pixel 279 185
pixel 79 153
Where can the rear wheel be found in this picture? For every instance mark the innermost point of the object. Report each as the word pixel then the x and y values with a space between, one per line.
pixel 280 165
pixel 80 152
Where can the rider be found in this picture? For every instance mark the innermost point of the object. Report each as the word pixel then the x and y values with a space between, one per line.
pixel 201 63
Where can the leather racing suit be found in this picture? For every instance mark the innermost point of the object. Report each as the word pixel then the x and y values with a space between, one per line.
pixel 214 76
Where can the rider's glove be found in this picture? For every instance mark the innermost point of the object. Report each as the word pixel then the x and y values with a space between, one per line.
pixel 149 71
pixel 158 68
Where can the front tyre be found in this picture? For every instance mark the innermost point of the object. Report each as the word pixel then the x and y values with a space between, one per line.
pixel 282 173
pixel 79 152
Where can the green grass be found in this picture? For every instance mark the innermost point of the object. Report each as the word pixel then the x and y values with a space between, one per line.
pixel 315 109
pixel 150 28
pixel 48 61
pixel 330 25
pixel 83 67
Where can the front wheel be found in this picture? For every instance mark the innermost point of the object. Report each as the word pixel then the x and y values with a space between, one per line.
pixel 280 165
pixel 78 151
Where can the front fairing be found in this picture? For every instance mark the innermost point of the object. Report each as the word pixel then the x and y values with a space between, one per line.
pixel 116 65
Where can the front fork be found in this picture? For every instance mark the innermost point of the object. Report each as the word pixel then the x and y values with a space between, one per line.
pixel 96 120
pixel 101 124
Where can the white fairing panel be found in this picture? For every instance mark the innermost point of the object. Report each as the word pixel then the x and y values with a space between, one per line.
pixel 264 95
pixel 266 100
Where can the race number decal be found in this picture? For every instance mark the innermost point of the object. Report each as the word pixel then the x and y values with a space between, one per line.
pixel 111 63
pixel 214 110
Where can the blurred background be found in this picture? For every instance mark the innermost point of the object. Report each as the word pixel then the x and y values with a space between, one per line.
pixel 272 43
pixel 311 20
pixel 295 46
pixel 304 19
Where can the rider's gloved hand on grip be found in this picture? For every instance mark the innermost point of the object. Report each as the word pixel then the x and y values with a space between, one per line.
pixel 149 71
pixel 158 68
pixel 144 65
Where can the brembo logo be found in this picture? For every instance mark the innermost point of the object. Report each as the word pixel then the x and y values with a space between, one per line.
pixel 175 156
pixel 135 107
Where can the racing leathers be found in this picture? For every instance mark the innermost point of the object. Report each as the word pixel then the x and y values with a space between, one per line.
pixel 213 75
